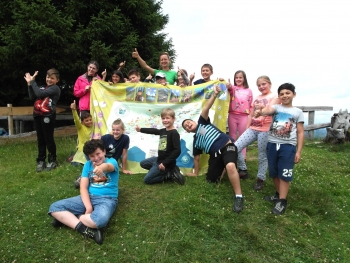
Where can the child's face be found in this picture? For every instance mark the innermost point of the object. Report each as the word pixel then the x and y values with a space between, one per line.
pixel 239 79
pixel 286 96
pixel 179 79
pixel 87 122
pixel 115 78
pixel 164 61
pixel 92 70
pixel 98 156
pixel 206 73
pixel 117 131
pixel 160 80
pixel 264 86
pixel 168 121
pixel 133 78
pixel 51 80
pixel 190 126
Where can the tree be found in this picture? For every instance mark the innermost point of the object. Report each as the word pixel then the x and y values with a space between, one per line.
pixel 67 34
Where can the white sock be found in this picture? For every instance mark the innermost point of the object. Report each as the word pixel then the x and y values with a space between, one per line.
pixel 240 196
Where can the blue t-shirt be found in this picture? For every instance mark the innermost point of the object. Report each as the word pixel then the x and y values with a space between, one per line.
pixel 105 185
pixel 114 148
pixel 208 137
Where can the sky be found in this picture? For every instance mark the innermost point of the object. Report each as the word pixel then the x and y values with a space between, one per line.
pixel 304 42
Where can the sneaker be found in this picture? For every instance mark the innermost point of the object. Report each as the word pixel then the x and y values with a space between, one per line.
pixel 272 199
pixel 177 176
pixel 94 234
pixel 258 185
pixel 56 223
pixel 243 174
pixel 77 182
pixel 280 207
pixel 50 166
pixel 40 166
pixel 238 204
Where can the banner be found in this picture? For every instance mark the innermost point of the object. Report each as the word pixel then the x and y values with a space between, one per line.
pixel 140 104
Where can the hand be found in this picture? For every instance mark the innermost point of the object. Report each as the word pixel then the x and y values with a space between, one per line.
pixel 122 64
pixel 191 174
pixel 87 88
pixel 73 106
pixel 229 85
pixel 297 158
pixel 149 76
pixel 97 170
pixel 257 113
pixel 88 210
pixel 221 79
pixel 126 171
pixel 161 167
pixel 29 78
pixel 217 89
pixel 138 128
pixel 104 73
pixel 180 70
pixel 135 54
pixel 192 77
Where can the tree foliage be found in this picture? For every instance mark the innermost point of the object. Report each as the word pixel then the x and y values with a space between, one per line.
pixel 67 34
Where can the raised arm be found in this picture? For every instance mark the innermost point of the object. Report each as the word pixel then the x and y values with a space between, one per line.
pixel 210 102
pixel 142 63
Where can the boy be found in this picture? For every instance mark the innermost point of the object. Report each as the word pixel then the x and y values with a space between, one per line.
pixel 286 137
pixel 206 71
pixel 45 116
pixel 164 166
pixel 92 209
pixel 161 78
pixel 222 151
pixel 134 76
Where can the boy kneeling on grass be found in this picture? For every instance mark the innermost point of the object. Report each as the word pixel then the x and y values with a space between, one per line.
pixel 286 138
pixel 92 209
pixel 222 151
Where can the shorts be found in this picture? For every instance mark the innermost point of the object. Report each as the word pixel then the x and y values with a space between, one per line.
pixel 280 159
pixel 219 160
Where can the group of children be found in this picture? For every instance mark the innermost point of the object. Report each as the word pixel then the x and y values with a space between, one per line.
pixel 269 119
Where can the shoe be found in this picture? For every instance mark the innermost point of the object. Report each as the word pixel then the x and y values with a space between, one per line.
pixel 258 185
pixel 94 234
pixel 40 166
pixel 50 166
pixel 177 176
pixel 243 174
pixel 273 198
pixel 238 204
pixel 56 223
pixel 280 207
pixel 77 182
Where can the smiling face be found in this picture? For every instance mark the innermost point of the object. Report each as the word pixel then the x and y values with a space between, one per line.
pixel 164 61
pixel 92 70
pixel 87 122
pixel 133 78
pixel 264 86
pixel 168 122
pixel 115 78
pixel 189 125
pixel 98 156
pixel 51 80
pixel 206 73
pixel 286 96
pixel 117 131
pixel 239 79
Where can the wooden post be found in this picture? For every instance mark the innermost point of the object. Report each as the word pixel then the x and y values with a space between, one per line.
pixel 10 120
pixel 311 121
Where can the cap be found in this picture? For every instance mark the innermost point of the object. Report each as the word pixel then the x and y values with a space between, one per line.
pixel 160 75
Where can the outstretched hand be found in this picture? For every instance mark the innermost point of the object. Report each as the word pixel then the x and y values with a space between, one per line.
pixel 137 128
pixel 104 73
pixel 122 64
pixel 29 77
pixel 135 54
pixel 73 106
pixel 192 76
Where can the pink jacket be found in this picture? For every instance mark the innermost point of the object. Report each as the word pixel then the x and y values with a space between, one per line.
pixel 79 92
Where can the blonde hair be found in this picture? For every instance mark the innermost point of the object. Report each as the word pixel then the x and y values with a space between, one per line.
pixel 167 112
pixel 119 122
pixel 266 78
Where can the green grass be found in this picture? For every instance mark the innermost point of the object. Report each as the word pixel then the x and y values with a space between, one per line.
pixel 172 223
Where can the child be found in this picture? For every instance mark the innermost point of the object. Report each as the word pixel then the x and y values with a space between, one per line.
pixel 286 137
pixel 117 144
pixel 207 71
pixel 164 166
pixel 92 209
pixel 45 116
pixel 182 78
pixel 117 77
pixel 84 128
pixel 223 152
pixel 164 63
pixel 257 131
pixel 161 78
pixel 240 106
pixel 134 76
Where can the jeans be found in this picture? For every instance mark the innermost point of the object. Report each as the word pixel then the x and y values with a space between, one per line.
pixel 154 175
pixel 103 208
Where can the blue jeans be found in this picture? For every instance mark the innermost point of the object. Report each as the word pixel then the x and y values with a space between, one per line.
pixel 154 175
pixel 103 208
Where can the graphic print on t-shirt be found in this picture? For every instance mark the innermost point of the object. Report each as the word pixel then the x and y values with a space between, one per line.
pixel 258 122
pixel 162 143
pixel 98 181
pixel 282 125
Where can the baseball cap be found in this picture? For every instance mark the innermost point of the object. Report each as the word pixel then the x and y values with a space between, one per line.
pixel 160 75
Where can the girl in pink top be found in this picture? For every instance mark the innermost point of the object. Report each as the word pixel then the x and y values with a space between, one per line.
pixel 83 84
pixel 257 131
pixel 240 106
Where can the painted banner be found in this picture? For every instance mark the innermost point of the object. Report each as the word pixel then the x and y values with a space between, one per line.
pixel 140 104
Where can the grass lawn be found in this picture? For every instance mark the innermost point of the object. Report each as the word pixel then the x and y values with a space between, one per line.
pixel 173 223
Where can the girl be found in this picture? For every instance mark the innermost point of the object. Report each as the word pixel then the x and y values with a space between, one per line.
pixel 182 78
pixel 206 71
pixel 84 127
pixel 83 84
pixel 45 116
pixel 117 144
pixel 165 64
pixel 240 106
pixel 257 131
pixel 117 77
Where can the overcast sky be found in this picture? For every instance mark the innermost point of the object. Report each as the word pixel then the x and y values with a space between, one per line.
pixel 305 42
